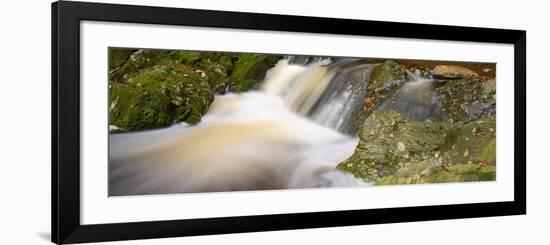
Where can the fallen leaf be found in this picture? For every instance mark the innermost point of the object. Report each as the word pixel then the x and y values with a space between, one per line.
pixel 466 153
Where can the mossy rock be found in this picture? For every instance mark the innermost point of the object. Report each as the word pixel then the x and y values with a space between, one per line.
pixel 158 98
pixel 386 76
pixel 431 172
pixel 118 56
pixel 473 142
pixel 212 66
pixel 388 141
pixel 384 80
pixel 185 57
pixel 390 144
pixel 214 73
pixel 488 153
pixel 249 70
pixel 139 62
pixel 155 88
pixel 467 99
pixel 224 71
pixel 223 59
pixel 452 72
pixel 415 100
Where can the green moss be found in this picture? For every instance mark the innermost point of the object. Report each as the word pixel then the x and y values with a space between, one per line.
pixel 215 73
pixel 386 76
pixel 226 62
pixel 117 56
pixel 388 141
pixel 158 98
pixel 249 70
pixel 487 173
pixel 434 173
pixel 467 99
pixel 472 142
pixel 394 147
pixel 244 67
pixel 223 59
pixel 155 88
pixel 138 62
pixel 488 153
pixel 186 57
pixel 393 180
pixel 385 79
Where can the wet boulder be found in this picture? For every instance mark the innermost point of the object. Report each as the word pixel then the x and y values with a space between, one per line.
pixel 417 100
pixel 189 58
pixel 388 141
pixel 139 62
pixel 156 88
pixel 421 172
pixel 143 60
pixel 118 56
pixel 163 95
pixel 384 80
pixel 452 72
pixel 394 149
pixel 467 99
pixel 249 70
pixel 215 73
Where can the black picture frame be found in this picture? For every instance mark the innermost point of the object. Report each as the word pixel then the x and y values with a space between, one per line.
pixel 65 139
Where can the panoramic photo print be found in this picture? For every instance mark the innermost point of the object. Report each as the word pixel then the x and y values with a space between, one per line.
pixel 199 121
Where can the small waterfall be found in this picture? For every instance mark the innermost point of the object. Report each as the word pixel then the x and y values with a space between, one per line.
pixel 279 78
pixel 300 86
pixel 342 103
pixel 291 134
pixel 250 141
pixel 329 93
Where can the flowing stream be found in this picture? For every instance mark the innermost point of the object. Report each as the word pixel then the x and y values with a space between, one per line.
pixel 291 133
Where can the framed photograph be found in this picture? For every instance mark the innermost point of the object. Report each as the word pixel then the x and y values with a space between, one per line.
pixel 174 122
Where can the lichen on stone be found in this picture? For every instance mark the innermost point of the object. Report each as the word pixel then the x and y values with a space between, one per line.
pixel 467 99
pixel 394 149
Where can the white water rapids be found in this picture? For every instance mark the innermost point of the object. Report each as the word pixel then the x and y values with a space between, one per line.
pixel 286 135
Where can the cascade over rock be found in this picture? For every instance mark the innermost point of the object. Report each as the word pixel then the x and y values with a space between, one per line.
pixel 187 121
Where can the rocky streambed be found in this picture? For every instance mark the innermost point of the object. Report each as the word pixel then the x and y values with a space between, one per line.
pixel 444 131
pixel 415 121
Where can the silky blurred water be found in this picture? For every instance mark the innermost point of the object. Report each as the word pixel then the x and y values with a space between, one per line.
pixel 292 133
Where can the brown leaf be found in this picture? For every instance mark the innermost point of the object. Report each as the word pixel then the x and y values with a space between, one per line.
pixel 466 153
